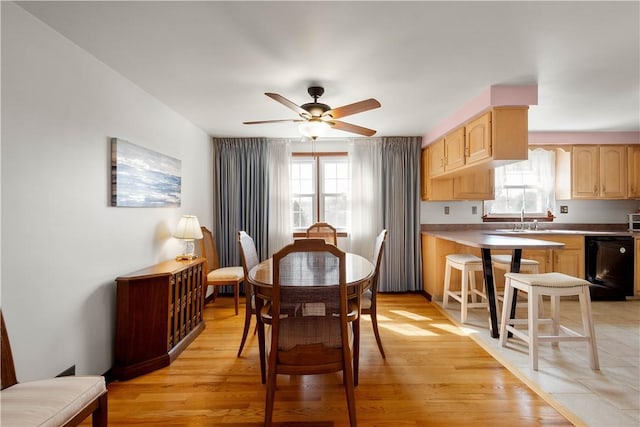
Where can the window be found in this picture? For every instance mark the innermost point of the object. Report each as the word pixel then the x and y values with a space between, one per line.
pixel 320 190
pixel 524 187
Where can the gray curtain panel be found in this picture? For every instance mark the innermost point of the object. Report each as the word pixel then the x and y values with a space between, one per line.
pixel 401 268
pixel 239 196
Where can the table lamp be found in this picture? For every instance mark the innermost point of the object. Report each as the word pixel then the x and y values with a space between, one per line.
pixel 188 229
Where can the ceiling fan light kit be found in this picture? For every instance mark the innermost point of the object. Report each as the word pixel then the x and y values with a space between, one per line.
pixel 317 118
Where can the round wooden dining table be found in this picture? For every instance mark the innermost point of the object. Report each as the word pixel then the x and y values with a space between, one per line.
pixel 305 269
pixel 310 269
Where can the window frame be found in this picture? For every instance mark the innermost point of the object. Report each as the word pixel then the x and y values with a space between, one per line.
pixel 517 217
pixel 318 195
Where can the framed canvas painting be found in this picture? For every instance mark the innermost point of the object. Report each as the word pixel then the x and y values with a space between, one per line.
pixel 143 178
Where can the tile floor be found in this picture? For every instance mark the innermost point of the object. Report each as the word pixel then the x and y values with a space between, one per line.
pixel 609 397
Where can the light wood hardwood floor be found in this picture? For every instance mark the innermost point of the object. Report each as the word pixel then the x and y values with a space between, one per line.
pixel 433 375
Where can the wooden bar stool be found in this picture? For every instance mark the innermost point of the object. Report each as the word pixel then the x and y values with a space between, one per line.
pixel 553 285
pixel 503 262
pixel 468 265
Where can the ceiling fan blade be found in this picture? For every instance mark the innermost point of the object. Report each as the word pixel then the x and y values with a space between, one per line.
pixel 356 107
pixel 284 101
pixel 273 121
pixel 348 127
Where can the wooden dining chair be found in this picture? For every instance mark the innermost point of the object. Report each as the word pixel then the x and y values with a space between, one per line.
pixel 323 230
pixel 61 401
pixel 216 276
pixel 307 342
pixel 250 259
pixel 369 304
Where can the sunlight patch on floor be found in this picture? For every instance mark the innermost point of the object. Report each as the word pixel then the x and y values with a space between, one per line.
pixel 409 315
pixel 457 330
pixel 408 330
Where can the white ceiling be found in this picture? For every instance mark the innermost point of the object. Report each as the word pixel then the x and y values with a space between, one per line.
pixel 212 61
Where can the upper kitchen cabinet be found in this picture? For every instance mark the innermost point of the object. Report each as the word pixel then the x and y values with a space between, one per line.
pixel 633 171
pixel 476 185
pixel 478 138
pixel 494 138
pixel 599 172
pixel 454 150
pixel 436 158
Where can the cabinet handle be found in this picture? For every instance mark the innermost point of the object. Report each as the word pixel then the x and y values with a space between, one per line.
pixel 595 188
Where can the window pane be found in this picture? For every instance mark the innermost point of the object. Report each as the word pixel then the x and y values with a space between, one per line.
pixel 335 210
pixel 527 185
pixel 302 211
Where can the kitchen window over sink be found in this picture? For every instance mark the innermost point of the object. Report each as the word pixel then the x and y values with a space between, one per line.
pixel 525 188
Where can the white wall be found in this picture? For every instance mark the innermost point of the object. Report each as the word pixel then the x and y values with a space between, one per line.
pixel 62 244
pixel 580 212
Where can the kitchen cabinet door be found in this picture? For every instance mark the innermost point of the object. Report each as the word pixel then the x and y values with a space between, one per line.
pixel 436 158
pixel 584 172
pixel 474 186
pixel 454 150
pixel 424 174
pixel 613 172
pixel 633 171
pixel 478 139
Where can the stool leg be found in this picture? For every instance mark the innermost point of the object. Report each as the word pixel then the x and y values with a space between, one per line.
pixel 506 311
pixel 472 286
pixel 447 282
pixel 464 294
pixel 532 305
pixel 587 324
pixel 555 318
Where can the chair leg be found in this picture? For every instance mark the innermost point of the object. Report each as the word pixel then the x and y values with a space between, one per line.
pixel 374 322
pixel 356 350
pixel 271 395
pixel 236 296
pixel 247 323
pixel 349 386
pixel 99 416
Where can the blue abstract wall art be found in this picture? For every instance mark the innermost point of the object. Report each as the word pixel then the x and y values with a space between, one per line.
pixel 143 178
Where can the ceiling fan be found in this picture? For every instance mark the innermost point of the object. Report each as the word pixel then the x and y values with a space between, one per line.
pixel 315 117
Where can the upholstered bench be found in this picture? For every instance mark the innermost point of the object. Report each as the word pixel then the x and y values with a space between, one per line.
pixel 63 401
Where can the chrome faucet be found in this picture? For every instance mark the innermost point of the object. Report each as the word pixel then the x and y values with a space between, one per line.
pixel 522 215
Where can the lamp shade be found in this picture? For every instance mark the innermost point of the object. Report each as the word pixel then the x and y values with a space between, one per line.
pixel 314 128
pixel 188 228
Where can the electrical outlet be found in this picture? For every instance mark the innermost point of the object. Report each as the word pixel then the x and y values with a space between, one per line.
pixel 474 210
pixel 564 209
pixel 446 210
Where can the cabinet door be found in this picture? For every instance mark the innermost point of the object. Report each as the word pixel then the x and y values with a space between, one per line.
pixel 474 186
pixel 633 171
pixel 424 174
pixel 454 150
pixel 436 158
pixel 543 256
pixel 569 261
pixel 584 172
pixel 478 139
pixel 613 172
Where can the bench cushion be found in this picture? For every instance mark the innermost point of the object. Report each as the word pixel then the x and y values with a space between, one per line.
pixel 50 402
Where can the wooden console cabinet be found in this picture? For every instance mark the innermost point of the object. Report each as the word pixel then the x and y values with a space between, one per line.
pixel 159 313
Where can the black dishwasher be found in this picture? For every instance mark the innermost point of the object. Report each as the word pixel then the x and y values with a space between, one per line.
pixel 609 266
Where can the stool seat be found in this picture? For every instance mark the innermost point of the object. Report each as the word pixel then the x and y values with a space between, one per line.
pixel 548 280
pixel 506 260
pixel 553 285
pixel 467 264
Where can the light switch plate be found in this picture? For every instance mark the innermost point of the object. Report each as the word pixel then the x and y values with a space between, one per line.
pixel 564 209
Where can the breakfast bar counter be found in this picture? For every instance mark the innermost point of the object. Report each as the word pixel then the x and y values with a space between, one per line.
pixel 485 242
